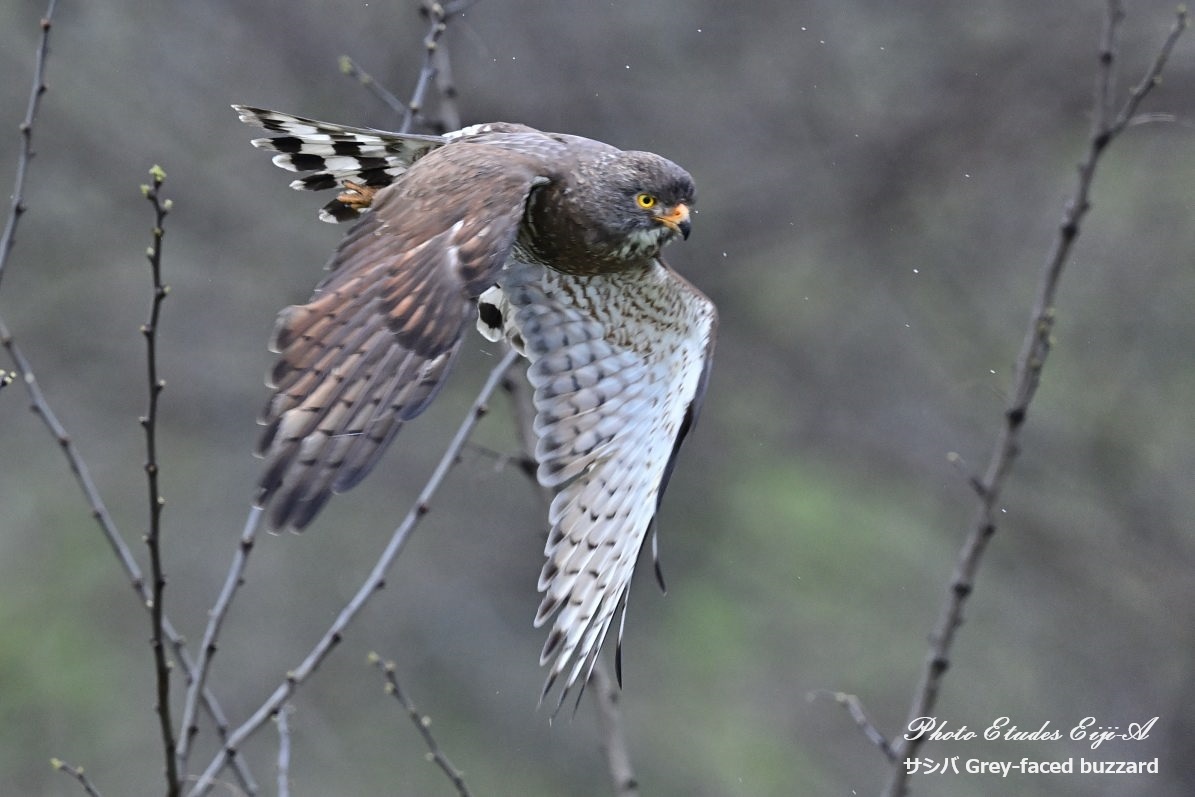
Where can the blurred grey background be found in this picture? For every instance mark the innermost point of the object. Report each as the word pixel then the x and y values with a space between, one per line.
pixel 879 186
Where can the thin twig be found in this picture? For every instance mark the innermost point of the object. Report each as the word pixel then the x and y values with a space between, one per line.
pixel 352 69
pixel 373 582
pixel 1153 75
pixel 1027 375
pixel 437 15
pixel 422 723
pixel 17 201
pixel 614 740
pixel 435 67
pixel 449 117
pixel 78 466
pixel 207 648
pixel 211 705
pixel 605 691
pixel 76 773
pixel 149 422
pixel 862 721
pixel 280 720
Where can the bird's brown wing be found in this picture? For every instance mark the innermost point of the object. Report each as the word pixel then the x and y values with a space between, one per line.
pixel 619 364
pixel 373 346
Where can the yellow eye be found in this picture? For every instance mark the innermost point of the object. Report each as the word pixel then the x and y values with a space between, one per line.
pixel 645 201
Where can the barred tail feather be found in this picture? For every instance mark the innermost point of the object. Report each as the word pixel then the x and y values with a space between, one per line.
pixel 336 154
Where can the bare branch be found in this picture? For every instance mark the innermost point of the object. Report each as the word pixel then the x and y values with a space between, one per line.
pixel 207 649
pixel 1027 375
pixel 17 202
pixel 373 582
pixel 351 68
pixel 77 774
pixel 435 67
pixel 606 695
pixel 149 422
pixel 450 114
pixel 422 723
pixel 283 726
pixel 1153 75
pixel 862 721
pixel 437 15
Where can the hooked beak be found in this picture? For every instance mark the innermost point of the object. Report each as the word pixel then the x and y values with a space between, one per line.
pixel 677 220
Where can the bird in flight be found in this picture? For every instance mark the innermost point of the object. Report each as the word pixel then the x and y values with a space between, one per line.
pixel 550 241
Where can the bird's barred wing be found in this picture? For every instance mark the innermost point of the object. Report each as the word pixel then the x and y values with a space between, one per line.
pixel 373 346
pixel 336 154
pixel 618 365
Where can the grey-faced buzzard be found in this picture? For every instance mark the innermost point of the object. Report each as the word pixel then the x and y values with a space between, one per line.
pixel 551 241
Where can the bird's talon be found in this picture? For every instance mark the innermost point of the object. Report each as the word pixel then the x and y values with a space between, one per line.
pixel 356 196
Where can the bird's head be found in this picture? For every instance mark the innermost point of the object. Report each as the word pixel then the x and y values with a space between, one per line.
pixel 646 204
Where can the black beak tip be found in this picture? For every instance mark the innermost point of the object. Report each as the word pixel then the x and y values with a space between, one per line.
pixel 685 227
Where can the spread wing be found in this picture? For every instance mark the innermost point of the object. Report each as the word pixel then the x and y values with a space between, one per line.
pixel 373 346
pixel 618 365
